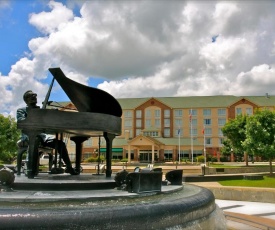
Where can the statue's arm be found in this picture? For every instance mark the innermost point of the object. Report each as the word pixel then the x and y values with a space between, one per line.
pixel 21 114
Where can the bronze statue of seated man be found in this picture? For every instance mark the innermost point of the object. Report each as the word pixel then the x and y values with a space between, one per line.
pixel 46 140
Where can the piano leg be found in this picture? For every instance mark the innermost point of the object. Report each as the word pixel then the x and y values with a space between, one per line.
pixel 32 164
pixel 78 140
pixel 109 144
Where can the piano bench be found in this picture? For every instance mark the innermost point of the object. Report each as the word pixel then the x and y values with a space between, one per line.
pixel 24 149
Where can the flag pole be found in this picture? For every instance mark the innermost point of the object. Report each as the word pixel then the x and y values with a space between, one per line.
pixel 204 146
pixel 179 143
pixel 191 135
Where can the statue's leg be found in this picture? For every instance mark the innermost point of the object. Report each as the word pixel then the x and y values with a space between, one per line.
pixel 20 152
pixel 32 164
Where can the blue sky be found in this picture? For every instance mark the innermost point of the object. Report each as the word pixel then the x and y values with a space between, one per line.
pixel 140 48
pixel 17 32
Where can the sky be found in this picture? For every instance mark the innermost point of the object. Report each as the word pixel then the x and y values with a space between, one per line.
pixel 135 48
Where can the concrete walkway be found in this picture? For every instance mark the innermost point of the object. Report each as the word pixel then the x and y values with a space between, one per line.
pixel 244 215
pixel 248 215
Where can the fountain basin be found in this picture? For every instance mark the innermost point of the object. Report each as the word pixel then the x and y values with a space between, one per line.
pixel 185 207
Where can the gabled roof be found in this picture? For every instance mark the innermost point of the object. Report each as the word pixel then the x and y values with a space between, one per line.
pixel 182 102
pixel 150 139
pixel 243 100
pixel 131 103
pixel 262 100
pixel 198 101
pixel 219 101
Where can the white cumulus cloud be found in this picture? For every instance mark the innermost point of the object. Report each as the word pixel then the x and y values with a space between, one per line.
pixel 150 48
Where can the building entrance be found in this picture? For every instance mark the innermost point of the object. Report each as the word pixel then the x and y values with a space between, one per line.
pixel 145 157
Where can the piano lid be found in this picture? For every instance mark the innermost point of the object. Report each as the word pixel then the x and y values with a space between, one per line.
pixel 85 98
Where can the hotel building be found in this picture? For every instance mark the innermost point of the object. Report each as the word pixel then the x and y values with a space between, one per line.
pixel 172 128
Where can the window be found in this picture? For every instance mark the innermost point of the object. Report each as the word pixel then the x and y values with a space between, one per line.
pixel 130 135
pixel 168 155
pixel 117 155
pixel 148 123
pixel 138 131
pixel 249 111
pixel 180 154
pixel 193 112
pixel 157 113
pixel 138 113
pixel 193 132
pixel 138 123
pixel 166 122
pixel 208 131
pixel 178 132
pixel 221 121
pixel 166 132
pixel 178 122
pixel 128 114
pixel 194 122
pixel 128 123
pixel 207 112
pixel 208 141
pixel 221 112
pixel 131 154
pixel 220 132
pixel 148 113
pixel 151 133
pixel 220 141
pixel 166 113
pixel 178 113
pixel 238 111
pixel 157 123
pixel 88 142
pixel 207 121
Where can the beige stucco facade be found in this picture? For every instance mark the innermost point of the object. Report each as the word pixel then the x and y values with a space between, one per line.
pixel 151 125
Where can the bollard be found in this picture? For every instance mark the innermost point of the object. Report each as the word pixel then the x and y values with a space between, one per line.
pixel 6 179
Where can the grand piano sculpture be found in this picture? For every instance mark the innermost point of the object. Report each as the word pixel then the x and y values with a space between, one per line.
pixel 99 114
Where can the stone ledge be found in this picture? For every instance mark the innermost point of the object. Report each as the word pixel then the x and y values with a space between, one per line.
pixel 266 195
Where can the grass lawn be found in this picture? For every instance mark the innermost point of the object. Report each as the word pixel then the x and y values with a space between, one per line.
pixel 267 182
pixel 224 166
pixel 238 166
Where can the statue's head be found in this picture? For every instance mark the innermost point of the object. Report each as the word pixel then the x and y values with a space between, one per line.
pixel 30 97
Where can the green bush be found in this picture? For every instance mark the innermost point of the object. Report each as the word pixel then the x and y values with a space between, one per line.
pixel 115 160
pixel 223 159
pixel 124 160
pixel 214 159
pixel 184 159
pixel 94 159
pixel 200 159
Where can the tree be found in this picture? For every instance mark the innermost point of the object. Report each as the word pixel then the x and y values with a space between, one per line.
pixel 9 135
pixel 227 148
pixel 260 135
pixel 234 130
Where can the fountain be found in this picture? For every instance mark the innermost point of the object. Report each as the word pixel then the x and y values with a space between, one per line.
pixel 174 207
